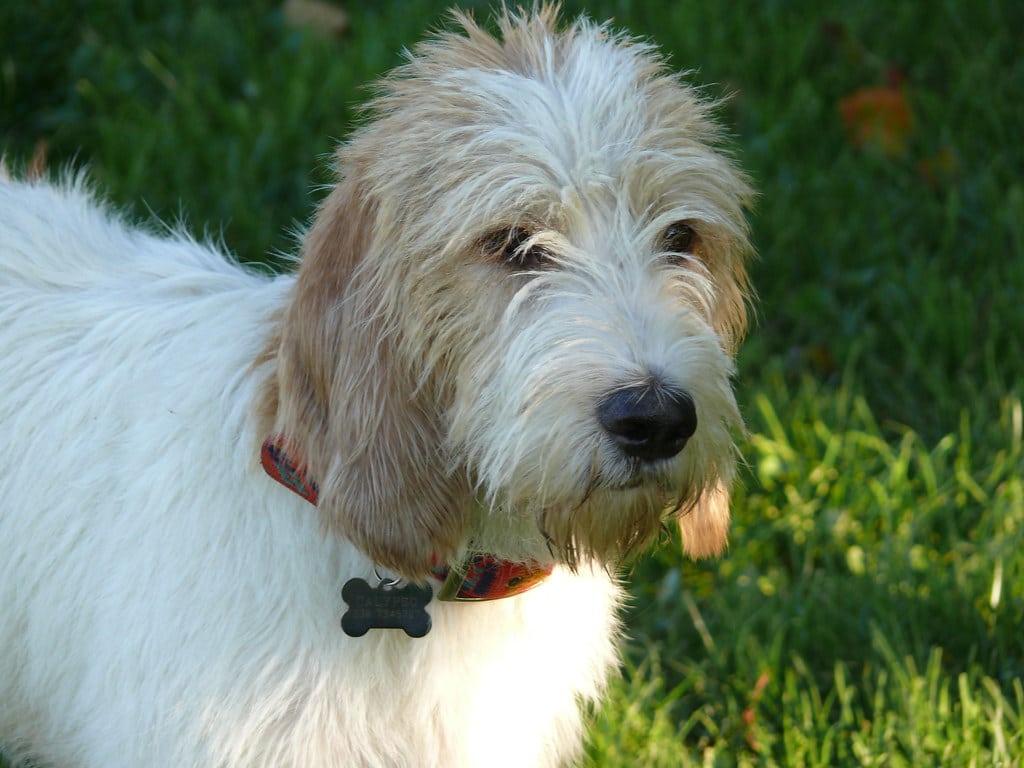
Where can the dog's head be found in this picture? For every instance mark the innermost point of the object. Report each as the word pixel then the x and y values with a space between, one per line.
pixel 521 302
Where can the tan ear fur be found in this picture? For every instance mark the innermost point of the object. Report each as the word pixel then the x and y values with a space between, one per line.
pixel 705 527
pixel 729 318
pixel 350 406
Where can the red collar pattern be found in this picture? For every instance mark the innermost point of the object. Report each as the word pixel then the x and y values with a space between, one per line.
pixel 478 577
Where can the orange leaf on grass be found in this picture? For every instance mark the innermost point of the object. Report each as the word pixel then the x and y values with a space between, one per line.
pixel 878 117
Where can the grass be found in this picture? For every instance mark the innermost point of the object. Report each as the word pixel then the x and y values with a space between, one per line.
pixel 866 612
pixel 869 610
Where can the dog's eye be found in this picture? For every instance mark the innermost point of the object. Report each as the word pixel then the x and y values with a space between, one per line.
pixel 679 238
pixel 512 247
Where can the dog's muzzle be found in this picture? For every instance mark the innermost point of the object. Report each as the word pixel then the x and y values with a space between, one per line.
pixel 649 422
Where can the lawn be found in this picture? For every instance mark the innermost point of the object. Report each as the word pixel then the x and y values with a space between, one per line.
pixel 870 609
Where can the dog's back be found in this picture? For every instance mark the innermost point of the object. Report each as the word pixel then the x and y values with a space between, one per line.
pixel 123 388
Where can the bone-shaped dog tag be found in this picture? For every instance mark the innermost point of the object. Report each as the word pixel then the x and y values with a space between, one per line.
pixel 385 607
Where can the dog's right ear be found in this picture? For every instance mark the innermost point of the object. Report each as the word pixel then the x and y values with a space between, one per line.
pixel 345 400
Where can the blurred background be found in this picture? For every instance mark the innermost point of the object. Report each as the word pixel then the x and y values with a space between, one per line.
pixel 870 609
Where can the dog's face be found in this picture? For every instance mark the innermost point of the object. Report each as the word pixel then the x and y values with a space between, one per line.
pixel 522 300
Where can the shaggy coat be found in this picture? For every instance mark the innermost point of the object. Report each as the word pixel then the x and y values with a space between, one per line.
pixel 511 333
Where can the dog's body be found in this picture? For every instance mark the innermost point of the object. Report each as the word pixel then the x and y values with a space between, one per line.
pixel 450 361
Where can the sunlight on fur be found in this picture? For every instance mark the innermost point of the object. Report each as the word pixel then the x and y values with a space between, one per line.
pixel 511 334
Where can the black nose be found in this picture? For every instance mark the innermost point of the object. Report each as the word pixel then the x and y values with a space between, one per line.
pixel 648 422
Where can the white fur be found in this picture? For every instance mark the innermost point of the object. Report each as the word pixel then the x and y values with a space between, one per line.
pixel 165 603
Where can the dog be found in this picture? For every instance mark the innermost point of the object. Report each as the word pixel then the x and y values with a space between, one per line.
pixel 370 513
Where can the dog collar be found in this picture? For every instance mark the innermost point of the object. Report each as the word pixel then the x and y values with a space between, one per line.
pixel 477 577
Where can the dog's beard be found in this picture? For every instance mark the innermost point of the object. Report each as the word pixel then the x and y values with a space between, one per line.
pixel 525 424
pixel 607 525
pixel 604 516
pixel 601 525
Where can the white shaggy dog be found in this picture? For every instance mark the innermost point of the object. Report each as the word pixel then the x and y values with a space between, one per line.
pixel 506 356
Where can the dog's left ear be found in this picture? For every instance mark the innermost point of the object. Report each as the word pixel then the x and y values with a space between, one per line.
pixel 346 400
pixel 705 526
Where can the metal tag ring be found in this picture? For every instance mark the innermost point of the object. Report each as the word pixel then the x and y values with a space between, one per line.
pixel 386 582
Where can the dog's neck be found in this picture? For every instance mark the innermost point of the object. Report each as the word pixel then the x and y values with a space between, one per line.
pixel 476 575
